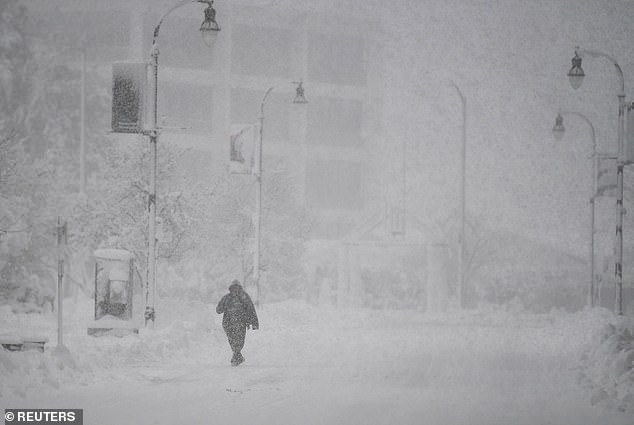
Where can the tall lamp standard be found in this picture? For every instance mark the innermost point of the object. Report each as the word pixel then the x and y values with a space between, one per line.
pixel 575 76
pixel 463 163
pixel 209 30
pixel 558 132
pixel 299 99
pixel 82 120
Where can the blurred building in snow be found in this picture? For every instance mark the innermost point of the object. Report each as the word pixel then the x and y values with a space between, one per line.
pixel 325 145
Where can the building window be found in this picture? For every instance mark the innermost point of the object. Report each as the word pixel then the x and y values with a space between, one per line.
pixel 334 184
pixel 334 122
pixel 106 32
pixel 261 51
pixel 108 28
pixel 180 42
pixel 186 105
pixel 245 109
pixel 336 59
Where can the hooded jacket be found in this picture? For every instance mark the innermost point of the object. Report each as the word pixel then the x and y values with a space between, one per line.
pixel 238 308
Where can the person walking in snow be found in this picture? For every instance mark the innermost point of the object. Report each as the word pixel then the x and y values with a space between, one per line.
pixel 239 314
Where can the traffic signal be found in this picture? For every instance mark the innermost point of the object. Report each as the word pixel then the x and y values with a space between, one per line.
pixel 128 97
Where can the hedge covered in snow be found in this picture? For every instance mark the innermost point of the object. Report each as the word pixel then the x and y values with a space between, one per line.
pixel 607 365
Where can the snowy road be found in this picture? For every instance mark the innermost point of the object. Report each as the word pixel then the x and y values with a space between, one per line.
pixel 352 369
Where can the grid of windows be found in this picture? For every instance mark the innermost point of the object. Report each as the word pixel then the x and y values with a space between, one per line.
pixel 106 32
pixel 245 109
pixel 334 184
pixel 336 122
pixel 261 51
pixel 255 52
pixel 336 59
pixel 186 105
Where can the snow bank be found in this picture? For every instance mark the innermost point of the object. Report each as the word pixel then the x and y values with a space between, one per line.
pixel 22 371
pixel 191 332
pixel 182 332
pixel 607 365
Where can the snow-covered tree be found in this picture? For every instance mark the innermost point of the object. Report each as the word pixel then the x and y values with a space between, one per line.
pixel 39 137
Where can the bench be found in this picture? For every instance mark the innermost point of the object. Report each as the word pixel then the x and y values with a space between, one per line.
pixel 12 343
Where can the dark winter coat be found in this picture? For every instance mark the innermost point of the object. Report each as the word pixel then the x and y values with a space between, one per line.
pixel 238 309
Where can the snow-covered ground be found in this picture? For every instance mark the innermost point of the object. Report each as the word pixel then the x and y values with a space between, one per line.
pixel 318 365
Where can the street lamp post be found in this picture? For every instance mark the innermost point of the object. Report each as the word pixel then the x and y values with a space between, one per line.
pixel 299 99
pixel 576 75
pixel 82 112
pixel 558 132
pixel 209 29
pixel 258 200
pixel 463 162
pixel 82 120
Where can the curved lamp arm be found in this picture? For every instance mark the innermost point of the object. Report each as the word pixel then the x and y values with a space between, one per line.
pixel 266 94
pixel 455 86
pixel 258 170
pixel 595 53
pixel 583 117
pixel 176 6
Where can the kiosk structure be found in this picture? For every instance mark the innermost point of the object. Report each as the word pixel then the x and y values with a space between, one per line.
pixel 114 277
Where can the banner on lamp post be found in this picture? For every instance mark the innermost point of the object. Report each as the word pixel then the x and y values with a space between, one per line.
pixel 606 177
pixel 128 97
pixel 629 135
pixel 242 145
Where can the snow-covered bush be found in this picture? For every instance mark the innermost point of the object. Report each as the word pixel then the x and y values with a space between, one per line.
pixel 538 291
pixel 607 365
pixel 389 289
pixel 539 275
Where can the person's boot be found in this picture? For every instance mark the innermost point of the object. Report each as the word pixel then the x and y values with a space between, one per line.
pixel 239 359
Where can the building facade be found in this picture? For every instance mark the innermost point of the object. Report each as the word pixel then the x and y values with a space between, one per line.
pixel 205 93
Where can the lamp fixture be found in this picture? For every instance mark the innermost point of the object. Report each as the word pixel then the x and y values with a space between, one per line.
pixel 209 28
pixel 558 128
pixel 299 93
pixel 576 74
